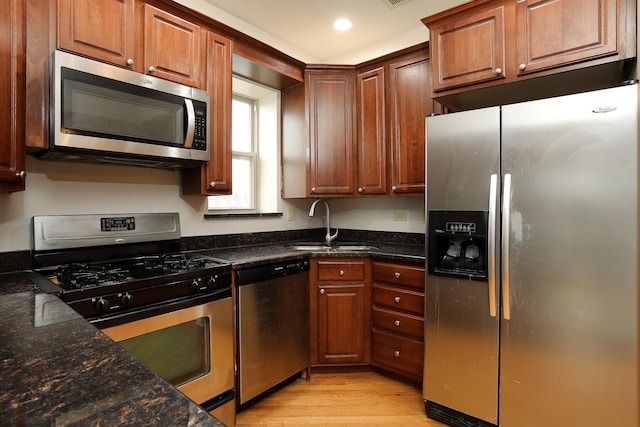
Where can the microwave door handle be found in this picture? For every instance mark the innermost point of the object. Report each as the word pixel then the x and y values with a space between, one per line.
pixel 191 123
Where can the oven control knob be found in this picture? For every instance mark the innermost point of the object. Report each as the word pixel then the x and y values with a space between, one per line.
pixel 195 286
pixel 211 284
pixel 102 305
pixel 126 299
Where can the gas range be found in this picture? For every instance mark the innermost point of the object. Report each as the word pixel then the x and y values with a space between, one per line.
pixel 110 266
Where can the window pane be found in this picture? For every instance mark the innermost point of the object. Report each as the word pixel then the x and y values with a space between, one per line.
pixel 241 128
pixel 243 183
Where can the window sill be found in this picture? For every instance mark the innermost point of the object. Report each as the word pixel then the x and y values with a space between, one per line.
pixel 242 215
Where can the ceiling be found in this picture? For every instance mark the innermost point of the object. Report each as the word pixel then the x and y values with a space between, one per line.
pixel 304 30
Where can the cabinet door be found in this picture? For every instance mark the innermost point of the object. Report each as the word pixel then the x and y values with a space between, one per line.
pixel 469 48
pixel 370 110
pixel 173 48
pixel 330 110
pixel 101 29
pixel 409 106
pixel 342 323
pixel 219 88
pixel 215 176
pixel 551 33
pixel 12 87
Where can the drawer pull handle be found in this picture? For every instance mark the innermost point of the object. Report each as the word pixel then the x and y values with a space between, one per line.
pixel 342 272
pixel 397 274
pixel 397 323
pixel 397 299
pixel 396 353
pixel 321 291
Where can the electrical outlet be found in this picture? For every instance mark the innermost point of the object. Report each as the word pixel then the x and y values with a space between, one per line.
pixel 399 215
pixel 291 214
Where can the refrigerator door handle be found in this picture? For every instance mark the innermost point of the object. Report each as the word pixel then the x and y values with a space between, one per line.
pixel 506 219
pixel 493 199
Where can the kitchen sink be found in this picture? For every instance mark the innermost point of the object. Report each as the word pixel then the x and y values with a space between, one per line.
pixel 333 248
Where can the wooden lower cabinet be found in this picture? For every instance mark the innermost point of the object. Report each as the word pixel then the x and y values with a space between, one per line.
pixel 396 353
pixel 367 312
pixel 398 318
pixel 340 311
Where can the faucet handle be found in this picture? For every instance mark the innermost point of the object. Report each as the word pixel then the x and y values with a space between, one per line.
pixel 331 237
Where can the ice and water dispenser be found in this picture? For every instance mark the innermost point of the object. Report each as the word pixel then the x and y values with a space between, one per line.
pixel 457 245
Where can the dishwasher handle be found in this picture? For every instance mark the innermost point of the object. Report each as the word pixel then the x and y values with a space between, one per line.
pixel 246 276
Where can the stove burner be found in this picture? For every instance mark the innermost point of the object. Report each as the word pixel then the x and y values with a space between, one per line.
pixel 77 276
pixel 86 275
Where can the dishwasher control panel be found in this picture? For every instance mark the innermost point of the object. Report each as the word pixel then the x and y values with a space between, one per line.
pixel 261 273
pixel 290 267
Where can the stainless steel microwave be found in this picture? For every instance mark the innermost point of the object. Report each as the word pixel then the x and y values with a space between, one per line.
pixel 105 114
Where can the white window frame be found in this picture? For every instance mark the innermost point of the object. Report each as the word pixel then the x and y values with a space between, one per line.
pixel 252 156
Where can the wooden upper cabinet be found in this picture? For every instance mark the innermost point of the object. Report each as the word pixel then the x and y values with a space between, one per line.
pixel 100 29
pixel 330 115
pixel 371 122
pixel 484 43
pixel 136 36
pixel 469 48
pixel 173 48
pixel 409 105
pixel 550 33
pixel 215 177
pixel 12 87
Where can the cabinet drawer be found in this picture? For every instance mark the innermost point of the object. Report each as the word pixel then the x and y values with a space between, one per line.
pixel 400 299
pixel 395 321
pixel 340 270
pixel 403 354
pixel 405 275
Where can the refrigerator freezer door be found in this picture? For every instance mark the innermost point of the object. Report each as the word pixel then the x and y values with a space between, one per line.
pixel 461 335
pixel 569 352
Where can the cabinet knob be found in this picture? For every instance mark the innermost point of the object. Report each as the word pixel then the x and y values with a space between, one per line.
pixel 498 71
pixel 397 299
pixel 397 274
pixel 212 184
pixel 341 272
pixel 397 323
pixel 321 291
pixel 394 188
pixel 129 62
pixel 360 189
pixel 396 353
pixel 522 67
pixel 21 174
pixel 152 69
pixel 313 189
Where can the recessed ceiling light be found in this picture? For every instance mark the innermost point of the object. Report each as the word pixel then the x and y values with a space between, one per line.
pixel 342 24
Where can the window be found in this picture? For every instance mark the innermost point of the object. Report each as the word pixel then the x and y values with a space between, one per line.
pixel 254 136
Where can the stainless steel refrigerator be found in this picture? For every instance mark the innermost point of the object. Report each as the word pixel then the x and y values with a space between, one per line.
pixel 531 299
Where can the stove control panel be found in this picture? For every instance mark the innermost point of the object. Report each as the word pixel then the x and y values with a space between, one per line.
pixel 121 223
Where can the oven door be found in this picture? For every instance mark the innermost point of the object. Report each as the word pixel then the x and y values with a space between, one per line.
pixel 191 348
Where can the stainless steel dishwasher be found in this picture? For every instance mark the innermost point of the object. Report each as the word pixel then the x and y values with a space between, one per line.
pixel 273 325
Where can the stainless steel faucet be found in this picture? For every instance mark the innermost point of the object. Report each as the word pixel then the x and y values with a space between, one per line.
pixel 329 238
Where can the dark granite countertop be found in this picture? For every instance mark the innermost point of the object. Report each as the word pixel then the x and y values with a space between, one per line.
pixel 59 370
pixel 253 255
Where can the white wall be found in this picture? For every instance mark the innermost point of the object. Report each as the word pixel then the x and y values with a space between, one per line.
pixel 74 188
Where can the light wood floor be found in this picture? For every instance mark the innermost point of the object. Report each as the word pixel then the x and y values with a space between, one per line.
pixel 340 400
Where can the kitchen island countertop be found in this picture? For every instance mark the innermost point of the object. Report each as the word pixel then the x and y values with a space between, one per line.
pixel 59 370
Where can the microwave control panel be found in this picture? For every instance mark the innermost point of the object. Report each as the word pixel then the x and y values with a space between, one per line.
pixel 200 130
